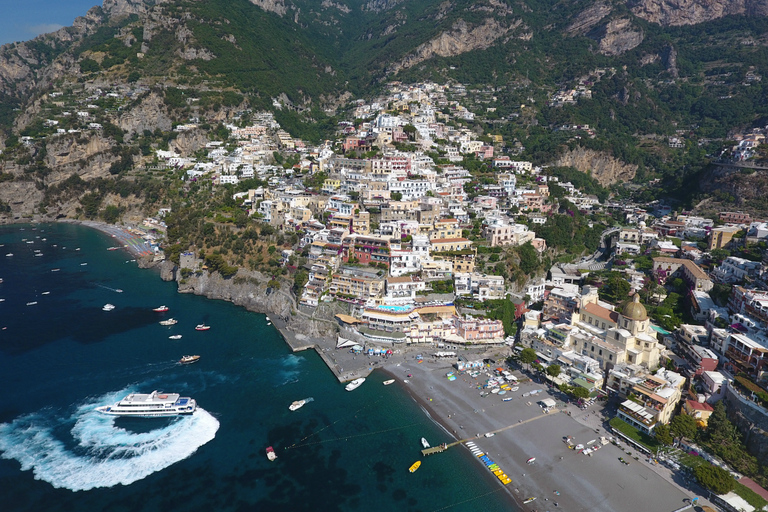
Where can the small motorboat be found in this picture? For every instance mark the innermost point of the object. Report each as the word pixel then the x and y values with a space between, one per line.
pixel 55 270
pixel 354 384
pixel 532 498
pixel 189 359
pixel 175 337
pixel 271 455
pixel 202 327
pixel 507 399
pixel 298 404
pixel 388 382
pixel 45 293
pixel 112 248
pixel 424 442
pixel 170 321
pixel 9 254
pixel 32 303
pixel 108 307
pixel 531 460
pixel 514 388
pixel 415 466
pixel 495 390
pixel 161 309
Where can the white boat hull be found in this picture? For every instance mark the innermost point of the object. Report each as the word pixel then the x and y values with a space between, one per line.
pixel 148 414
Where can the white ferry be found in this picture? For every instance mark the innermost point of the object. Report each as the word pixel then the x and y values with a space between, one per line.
pixel 151 405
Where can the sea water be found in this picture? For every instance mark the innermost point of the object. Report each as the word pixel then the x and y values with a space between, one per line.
pixel 61 356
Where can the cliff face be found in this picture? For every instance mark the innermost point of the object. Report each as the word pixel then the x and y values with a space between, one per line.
pixel 462 38
pixel 603 167
pixel 250 290
pixel 691 12
pixel 617 36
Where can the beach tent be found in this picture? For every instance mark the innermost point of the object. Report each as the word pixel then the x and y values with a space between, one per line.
pixel 344 342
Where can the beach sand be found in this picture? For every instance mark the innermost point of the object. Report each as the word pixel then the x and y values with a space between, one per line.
pixel 597 483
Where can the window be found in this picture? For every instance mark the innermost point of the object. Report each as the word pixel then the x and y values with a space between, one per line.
pixel 593 348
pixel 610 357
pixel 603 325
pixel 601 352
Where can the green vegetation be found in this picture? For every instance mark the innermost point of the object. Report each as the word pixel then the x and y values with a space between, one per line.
pixel 714 478
pixel 750 496
pixel 631 432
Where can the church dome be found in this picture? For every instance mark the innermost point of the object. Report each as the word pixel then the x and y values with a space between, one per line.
pixel 634 310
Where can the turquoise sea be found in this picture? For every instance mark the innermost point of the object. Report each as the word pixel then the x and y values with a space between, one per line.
pixel 61 356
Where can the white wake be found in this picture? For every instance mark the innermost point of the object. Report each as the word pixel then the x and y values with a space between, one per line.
pixel 102 454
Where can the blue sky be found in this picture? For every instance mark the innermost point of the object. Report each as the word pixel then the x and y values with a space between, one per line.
pixel 21 20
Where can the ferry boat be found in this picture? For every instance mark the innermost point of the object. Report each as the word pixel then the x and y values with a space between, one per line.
pixel 298 404
pixel 415 466
pixel 355 384
pixel 189 359
pixel 108 307
pixel 388 382
pixel 161 309
pixel 271 455
pixel 202 327
pixel 170 321
pixel 151 405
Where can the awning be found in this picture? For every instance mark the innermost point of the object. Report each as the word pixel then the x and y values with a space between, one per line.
pixel 344 342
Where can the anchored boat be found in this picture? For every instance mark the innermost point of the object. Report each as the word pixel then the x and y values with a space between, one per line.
pixel 271 455
pixel 415 466
pixel 355 384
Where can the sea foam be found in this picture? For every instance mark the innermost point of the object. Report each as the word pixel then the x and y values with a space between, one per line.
pixel 101 454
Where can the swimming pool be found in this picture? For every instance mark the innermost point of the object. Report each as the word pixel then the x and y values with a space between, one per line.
pixel 395 309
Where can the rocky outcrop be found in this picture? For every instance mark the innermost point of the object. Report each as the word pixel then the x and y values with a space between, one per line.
pixel 617 36
pixel 588 19
pixel 742 183
pixel 188 142
pixel 691 12
pixel 602 166
pixel 149 114
pixel 462 38
pixel 276 6
pixel 380 5
pixel 67 154
pixel 249 289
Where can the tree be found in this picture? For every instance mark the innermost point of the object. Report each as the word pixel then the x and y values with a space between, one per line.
pixel 683 426
pixel 580 392
pixel 396 196
pixel 663 435
pixel 299 280
pixel 615 289
pixel 528 355
pixel 714 478
pixel 553 370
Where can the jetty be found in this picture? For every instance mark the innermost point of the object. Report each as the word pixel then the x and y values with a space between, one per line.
pixel 442 447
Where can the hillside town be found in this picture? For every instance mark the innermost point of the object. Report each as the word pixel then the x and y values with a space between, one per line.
pixel 669 315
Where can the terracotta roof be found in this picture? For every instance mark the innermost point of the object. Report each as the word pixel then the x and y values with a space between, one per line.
pixel 601 312
pixel 692 267
pixel 693 404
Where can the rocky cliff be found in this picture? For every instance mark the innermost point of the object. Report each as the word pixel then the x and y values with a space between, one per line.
pixel 617 36
pixel 250 290
pixel 462 38
pixel 602 166
pixel 691 12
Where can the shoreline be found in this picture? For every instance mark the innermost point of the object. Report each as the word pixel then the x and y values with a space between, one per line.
pixel 433 415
